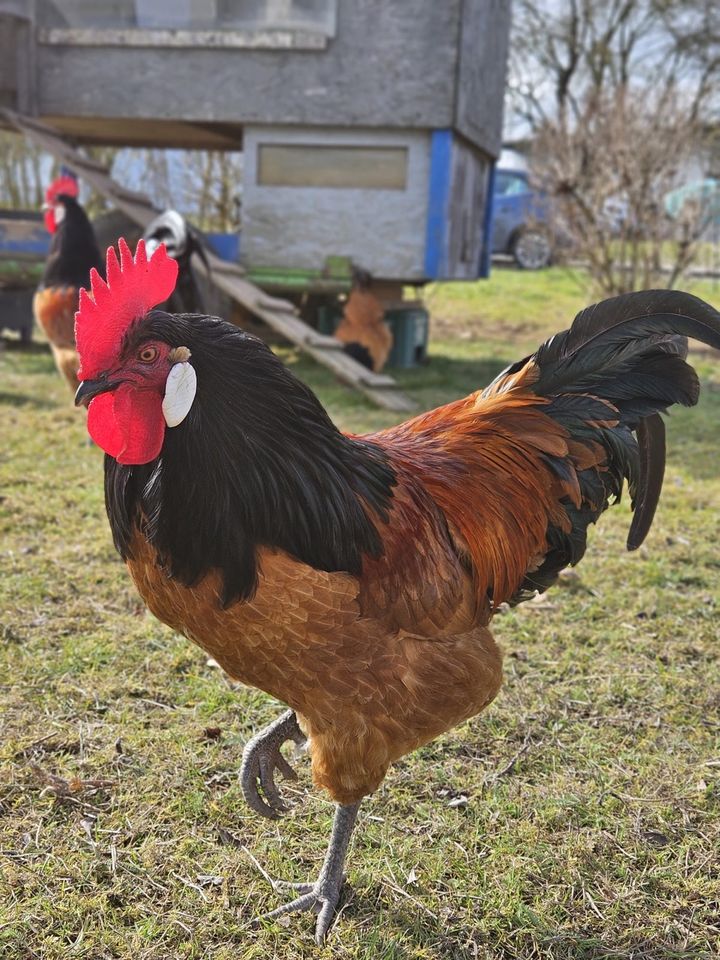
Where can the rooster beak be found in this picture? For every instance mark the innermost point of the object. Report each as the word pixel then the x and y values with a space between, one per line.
pixel 91 388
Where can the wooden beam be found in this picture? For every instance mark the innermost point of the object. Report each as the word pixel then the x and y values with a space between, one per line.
pixel 153 37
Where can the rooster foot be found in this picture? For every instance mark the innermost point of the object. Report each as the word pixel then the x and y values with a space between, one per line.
pixel 321 897
pixel 262 758
pixel 324 895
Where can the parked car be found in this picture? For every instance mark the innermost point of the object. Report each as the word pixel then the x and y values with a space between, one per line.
pixel 521 218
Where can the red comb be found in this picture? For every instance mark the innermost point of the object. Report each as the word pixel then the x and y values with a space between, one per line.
pixel 133 287
pixel 63 184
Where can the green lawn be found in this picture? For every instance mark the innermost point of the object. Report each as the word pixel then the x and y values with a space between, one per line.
pixel 577 819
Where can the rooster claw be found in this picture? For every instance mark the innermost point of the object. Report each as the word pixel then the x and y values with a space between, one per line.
pixel 262 758
pixel 321 897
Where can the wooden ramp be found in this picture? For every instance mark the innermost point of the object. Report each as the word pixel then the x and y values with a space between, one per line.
pixel 281 315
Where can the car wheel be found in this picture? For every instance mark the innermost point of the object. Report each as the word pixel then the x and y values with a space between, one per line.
pixel 531 249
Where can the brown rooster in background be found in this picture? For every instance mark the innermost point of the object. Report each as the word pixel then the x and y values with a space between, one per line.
pixel 363 331
pixel 355 578
pixel 73 253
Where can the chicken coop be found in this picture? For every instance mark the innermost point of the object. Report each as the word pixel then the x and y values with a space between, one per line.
pixel 369 128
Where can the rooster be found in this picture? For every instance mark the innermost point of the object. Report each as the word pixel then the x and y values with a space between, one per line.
pixel 181 240
pixel 73 253
pixel 354 578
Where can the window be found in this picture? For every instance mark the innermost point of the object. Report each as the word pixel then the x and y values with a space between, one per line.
pixel 257 24
pixel 510 184
pixel 301 165
pixel 314 15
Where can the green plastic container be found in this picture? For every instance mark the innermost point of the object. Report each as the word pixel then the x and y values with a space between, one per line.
pixel 410 327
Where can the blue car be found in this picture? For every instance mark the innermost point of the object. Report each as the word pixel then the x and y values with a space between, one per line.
pixel 521 220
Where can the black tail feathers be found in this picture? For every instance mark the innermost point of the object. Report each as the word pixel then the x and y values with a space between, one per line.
pixel 630 352
pixel 607 341
pixel 360 353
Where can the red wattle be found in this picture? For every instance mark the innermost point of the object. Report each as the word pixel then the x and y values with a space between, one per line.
pixel 128 424
pixel 49 218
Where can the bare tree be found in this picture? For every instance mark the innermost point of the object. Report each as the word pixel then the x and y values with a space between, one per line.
pixel 94 202
pixel 212 187
pixel 616 96
pixel 22 173
pixel 203 185
pixel 610 173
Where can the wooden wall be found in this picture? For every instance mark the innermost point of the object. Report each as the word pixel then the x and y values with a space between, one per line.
pixel 467 202
pixel 382 231
pixel 482 69
pixel 458 192
pixel 391 64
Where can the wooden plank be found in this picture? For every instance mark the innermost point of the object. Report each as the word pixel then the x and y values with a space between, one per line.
pixel 280 315
pixel 323 340
pixel 139 132
pixel 385 394
pixel 378 379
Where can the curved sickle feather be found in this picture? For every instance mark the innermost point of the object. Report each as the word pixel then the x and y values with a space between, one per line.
pixel 651 440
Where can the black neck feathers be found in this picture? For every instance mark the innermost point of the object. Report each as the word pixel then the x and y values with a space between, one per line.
pixel 257 462
pixel 73 250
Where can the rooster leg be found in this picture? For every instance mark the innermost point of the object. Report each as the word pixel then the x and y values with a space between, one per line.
pixel 324 894
pixel 261 758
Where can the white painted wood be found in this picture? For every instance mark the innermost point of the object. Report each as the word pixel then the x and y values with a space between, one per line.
pixel 380 230
pixel 480 83
pixel 367 63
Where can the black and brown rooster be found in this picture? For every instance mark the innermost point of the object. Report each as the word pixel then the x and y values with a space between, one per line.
pixel 73 253
pixel 355 577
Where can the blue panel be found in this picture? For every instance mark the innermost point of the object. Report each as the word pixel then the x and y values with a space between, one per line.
pixel 24 239
pixel 225 245
pixel 439 192
pixel 486 247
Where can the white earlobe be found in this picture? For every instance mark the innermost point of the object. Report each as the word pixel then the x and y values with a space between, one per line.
pixel 180 389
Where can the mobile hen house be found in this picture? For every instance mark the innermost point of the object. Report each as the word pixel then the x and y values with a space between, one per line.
pixel 369 127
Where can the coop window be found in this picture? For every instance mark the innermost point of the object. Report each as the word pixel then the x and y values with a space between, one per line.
pixel 302 165
pixel 224 24
pixel 313 16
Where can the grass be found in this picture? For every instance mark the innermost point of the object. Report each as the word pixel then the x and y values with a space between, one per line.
pixel 577 819
pixel 20 272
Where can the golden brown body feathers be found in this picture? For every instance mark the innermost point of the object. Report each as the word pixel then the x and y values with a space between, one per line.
pixel 54 309
pixel 364 693
pixel 375 666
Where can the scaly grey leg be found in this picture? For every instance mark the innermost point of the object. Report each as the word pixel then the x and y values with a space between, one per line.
pixel 324 894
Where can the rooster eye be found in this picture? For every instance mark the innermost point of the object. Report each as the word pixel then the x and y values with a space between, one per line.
pixel 148 354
